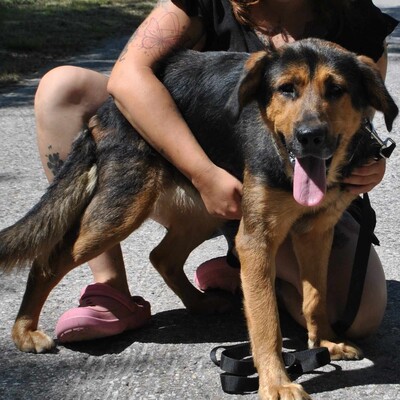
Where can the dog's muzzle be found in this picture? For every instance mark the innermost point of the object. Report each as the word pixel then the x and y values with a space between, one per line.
pixel 312 141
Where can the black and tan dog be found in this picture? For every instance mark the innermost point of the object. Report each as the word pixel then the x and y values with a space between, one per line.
pixel 293 125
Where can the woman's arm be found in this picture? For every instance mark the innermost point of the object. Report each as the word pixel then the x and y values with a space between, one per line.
pixel 148 106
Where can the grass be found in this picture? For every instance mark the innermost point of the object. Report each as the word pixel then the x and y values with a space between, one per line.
pixel 34 33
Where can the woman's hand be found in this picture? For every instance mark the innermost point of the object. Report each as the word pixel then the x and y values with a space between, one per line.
pixel 220 191
pixel 365 178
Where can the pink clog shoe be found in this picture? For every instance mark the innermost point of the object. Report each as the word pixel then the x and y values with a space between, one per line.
pixel 103 311
pixel 217 274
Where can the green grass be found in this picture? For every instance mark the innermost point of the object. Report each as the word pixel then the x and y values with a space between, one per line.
pixel 36 32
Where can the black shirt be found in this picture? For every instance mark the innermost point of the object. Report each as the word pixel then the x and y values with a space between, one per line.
pixel 362 30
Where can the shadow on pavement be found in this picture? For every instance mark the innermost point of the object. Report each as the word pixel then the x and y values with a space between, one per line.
pixel 178 326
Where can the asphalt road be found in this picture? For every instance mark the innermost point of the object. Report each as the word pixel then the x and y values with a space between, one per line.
pixel 169 359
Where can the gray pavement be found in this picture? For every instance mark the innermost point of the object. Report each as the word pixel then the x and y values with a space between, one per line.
pixel 169 359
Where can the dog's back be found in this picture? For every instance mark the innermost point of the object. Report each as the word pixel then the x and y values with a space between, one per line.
pixel 201 84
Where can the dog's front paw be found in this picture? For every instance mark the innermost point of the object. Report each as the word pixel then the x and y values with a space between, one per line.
pixel 31 341
pixel 342 350
pixel 290 391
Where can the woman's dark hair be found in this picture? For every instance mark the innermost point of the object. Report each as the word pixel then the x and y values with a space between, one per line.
pixel 326 9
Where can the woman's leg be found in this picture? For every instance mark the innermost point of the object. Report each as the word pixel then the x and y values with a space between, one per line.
pixel 219 274
pixel 65 100
pixel 374 295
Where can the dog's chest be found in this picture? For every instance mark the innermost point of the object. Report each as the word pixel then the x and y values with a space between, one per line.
pixel 328 213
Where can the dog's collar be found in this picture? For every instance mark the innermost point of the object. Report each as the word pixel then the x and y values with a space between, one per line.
pixel 386 146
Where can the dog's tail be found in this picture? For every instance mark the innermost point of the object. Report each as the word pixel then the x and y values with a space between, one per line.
pixel 45 225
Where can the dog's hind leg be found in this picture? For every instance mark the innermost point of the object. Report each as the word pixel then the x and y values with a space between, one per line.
pixel 103 224
pixel 186 231
pixel 25 333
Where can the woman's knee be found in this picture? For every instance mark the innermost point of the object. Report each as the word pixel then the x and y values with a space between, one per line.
pixel 65 100
pixel 70 87
pixel 374 293
pixel 373 301
pixel 60 85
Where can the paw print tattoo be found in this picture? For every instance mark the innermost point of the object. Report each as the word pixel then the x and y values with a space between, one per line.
pixel 54 162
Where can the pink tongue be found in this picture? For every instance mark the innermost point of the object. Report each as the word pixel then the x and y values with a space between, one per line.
pixel 309 181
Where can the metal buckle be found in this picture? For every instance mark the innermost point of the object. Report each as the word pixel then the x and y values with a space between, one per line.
pixel 386 146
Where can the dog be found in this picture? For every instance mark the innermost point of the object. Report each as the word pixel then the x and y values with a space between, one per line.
pixel 284 121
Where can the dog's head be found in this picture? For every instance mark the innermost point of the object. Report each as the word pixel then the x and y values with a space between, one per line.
pixel 313 96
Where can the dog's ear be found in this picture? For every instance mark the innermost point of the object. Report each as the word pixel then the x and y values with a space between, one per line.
pixel 246 88
pixel 377 94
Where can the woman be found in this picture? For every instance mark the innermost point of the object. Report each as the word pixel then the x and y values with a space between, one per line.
pixel 68 96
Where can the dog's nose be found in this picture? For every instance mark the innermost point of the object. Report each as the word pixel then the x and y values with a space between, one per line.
pixel 312 138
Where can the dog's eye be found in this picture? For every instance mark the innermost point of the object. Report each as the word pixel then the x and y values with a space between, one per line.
pixel 287 90
pixel 334 91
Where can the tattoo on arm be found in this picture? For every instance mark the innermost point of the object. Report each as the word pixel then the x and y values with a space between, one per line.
pixel 54 162
pixel 153 36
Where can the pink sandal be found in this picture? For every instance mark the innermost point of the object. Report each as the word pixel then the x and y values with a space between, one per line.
pixel 103 311
pixel 217 274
